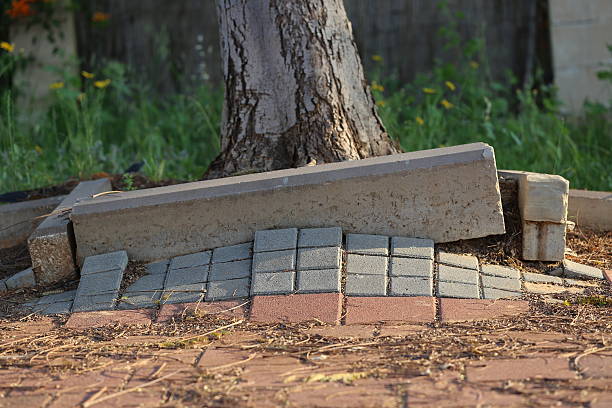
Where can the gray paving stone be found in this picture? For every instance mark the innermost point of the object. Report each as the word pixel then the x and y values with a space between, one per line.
pixel 460 261
pixel 411 267
pixel 140 300
pixel 159 267
pixel 190 260
pixel 367 244
pixel 148 283
pixel 576 270
pixel 57 308
pixel 99 283
pixel 366 264
pixel 578 282
pixel 57 297
pixel 23 279
pixel 275 240
pixel 186 276
pixel 366 285
pixel 497 282
pixel 117 260
pixel 457 290
pixel 228 289
pixel 233 253
pixel 501 271
pixel 412 247
pixel 411 286
pixel 230 270
pixel 319 280
pixel 452 274
pixel 272 283
pixel 320 237
pixel 492 293
pixel 319 258
pixel 97 302
pixel 541 278
pixel 276 261
pixel 3 287
pixel 190 293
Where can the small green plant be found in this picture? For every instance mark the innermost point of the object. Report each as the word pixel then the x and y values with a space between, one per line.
pixel 128 182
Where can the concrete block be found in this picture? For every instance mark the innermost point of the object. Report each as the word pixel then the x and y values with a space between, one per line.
pixel 501 271
pixel 276 261
pixel 591 209
pixel 460 261
pixel 366 264
pixel 411 267
pixel 23 279
pixel 396 195
pixel 186 276
pixel 52 246
pixel 367 244
pixel 56 297
pixel 576 270
pixel 321 280
pixel 543 241
pixel 148 283
pixel 275 240
pixel 492 293
pixel 140 300
pixel 412 247
pixel 99 283
pixel 159 267
pixel 233 253
pixel 97 302
pixel 451 274
pixel 230 270
pixel 411 286
pixel 19 220
pixel 190 260
pixel 228 289
pixel 457 290
pixel 543 197
pixel 105 262
pixel 272 283
pixel 497 282
pixel 319 258
pixel 320 237
pixel 541 278
pixel 57 308
pixel 366 285
pixel 194 292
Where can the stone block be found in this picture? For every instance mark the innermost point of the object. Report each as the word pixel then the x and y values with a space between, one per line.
pixel 543 197
pixel 543 241
pixel 411 267
pixel 366 285
pixel 186 276
pixel 228 289
pixel 320 237
pixel 456 310
pixel 52 244
pixel 321 280
pixel 366 244
pixel 148 283
pixel 272 283
pixel 117 260
pixel 369 310
pixel 296 308
pixel 96 302
pixel 184 293
pixel 275 240
pixel 591 209
pixel 452 274
pixel 159 267
pixel 501 283
pixel 23 279
pixel 457 290
pixel 459 261
pixel 501 271
pixel 57 297
pixel 411 286
pixel 366 264
pixel 575 270
pixel 233 253
pixel 230 270
pixel 276 261
pixel 492 293
pixel 57 308
pixel 395 195
pixel 140 300
pixel 319 258
pixel 99 283
pixel 190 260
pixel 412 247
pixel 541 278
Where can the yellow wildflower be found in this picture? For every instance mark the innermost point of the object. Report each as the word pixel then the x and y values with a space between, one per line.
pixel 377 87
pixel 419 120
pixel 100 17
pixel 87 75
pixel 450 85
pixel 102 84
pixel 56 85
pixel 429 90
pixel 446 104
pixel 474 64
pixel 380 103
pixel 377 58
pixel 8 47
pixel 38 149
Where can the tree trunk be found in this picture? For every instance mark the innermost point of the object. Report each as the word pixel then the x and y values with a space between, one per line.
pixel 295 92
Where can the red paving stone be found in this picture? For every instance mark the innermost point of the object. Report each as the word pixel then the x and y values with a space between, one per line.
pixel 354 332
pixel 324 307
pixel 456 310
pixel 360 310
pixel 595 366
pixel 553 368
pixel 608 275
pixel 84 320
pixel 229 308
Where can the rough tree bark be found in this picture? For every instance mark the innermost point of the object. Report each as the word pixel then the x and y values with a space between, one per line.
pixel 295 91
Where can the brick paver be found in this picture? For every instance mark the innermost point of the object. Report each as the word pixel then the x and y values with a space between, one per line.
pixel 232 253
pixel 320 237
pixel 459 261
pixel 230 270
pixel 275 240
pixel 272 283
pixel 520 369
pixel 541 278
pixel 228 308
pixel 454 310
pixel 367 244
pixel 461 275
pixel 411 286
pixel 325 307
pixel 501 283
pixel 190 260
pixel 412 247
pixel 105 262
pixel 457 290
pixel 361 310
pixel 608 275
pixel 575 270
pixel 366 264
pixel 595 365
pixel 228 289
pixel 157 267
pixel 274 261
pixel 319 258
pixel 103 318
pixel 492 293
pixel 365 285
pixel 320 280
pixel 411 267
pixel 500 271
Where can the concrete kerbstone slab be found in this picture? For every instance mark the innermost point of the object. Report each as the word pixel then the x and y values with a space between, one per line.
pixel 140 300
pixel 575 270
pixel 57 308
pixel 320 237
pixel 99 283
pixel 543 241
pixel 492 293
pixel 57 297
pixel 457 290
pixel 184 293
pixel 96 302
pixel 272 283
pixel 274 261
pixel 230 270
pixel 459 261
pixel 275 240
pixel 190 260
pixel 366 264
pixel 591 209
pixel 233 253
pixel 318 258
pixel 411 267
pixel 148 283
pixel 228 289
pixel 186 276
pixel 411 286
pixel 117 260
pixel 500 271
pixel 497 282
pixel 366 244
pixel 322 280
pixel 23 279
pixel 159 267
pixel 460 275
pixel 366 285
pixel 540 278
pixel 412 247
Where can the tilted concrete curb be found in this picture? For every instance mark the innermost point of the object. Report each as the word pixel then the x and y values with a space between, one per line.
pixel 443 194
pixel 591 209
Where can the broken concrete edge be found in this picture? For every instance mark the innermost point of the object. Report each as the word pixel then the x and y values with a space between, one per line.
pixel 404 191
pixel 591 209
